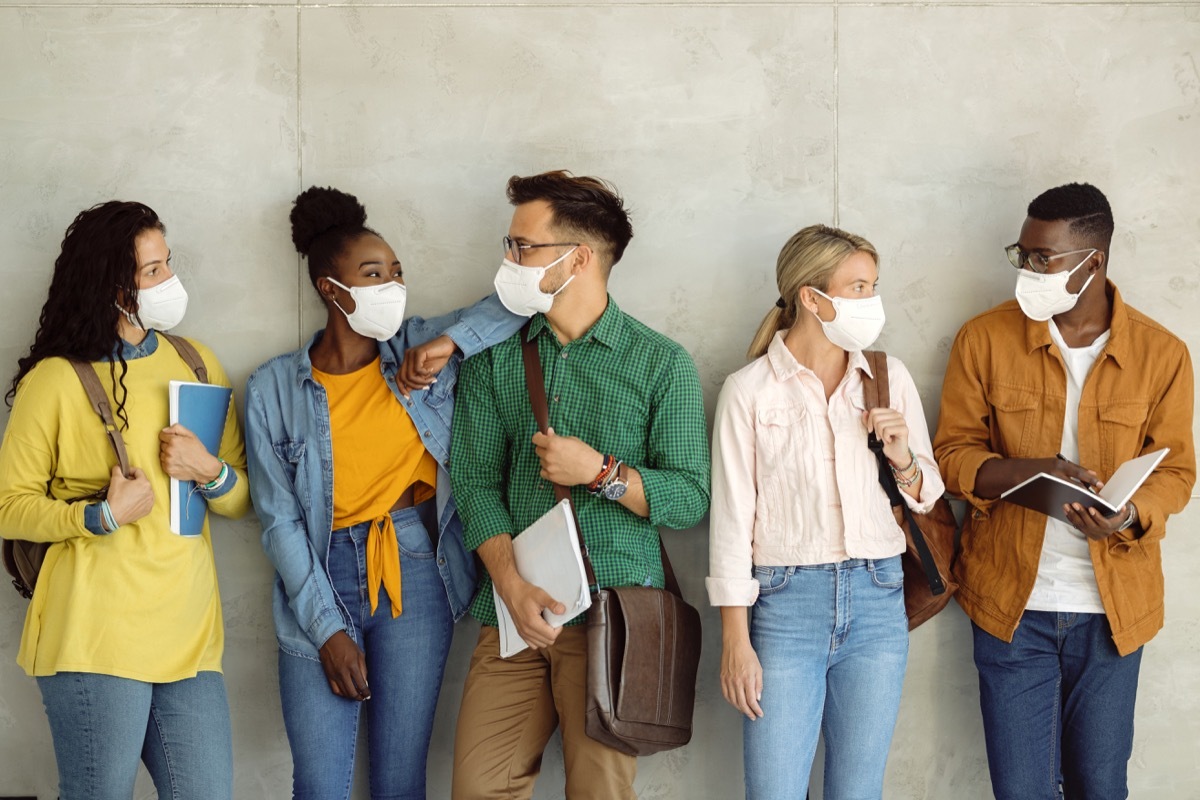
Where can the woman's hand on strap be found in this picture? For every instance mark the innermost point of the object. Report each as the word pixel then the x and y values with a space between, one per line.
pixel 130 498
pixel 890 428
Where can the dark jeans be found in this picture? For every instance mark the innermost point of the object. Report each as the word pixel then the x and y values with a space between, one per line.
pixel 1057 708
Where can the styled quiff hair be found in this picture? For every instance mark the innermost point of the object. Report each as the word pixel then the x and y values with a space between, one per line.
pixel 584 207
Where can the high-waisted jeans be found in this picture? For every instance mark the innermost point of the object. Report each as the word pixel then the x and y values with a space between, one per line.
pixel 405 660
pixel 833 643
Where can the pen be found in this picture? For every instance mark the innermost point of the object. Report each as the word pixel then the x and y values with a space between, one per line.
pixel 1085 485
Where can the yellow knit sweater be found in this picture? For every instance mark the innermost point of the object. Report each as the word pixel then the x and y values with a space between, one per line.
pixel 141 602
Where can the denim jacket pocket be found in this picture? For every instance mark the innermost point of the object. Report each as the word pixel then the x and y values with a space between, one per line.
pixel 771 579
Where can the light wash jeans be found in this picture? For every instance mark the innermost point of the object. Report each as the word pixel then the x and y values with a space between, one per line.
pixel 406 657
pixel 102 724
pixel 833 643
pixel 1057 708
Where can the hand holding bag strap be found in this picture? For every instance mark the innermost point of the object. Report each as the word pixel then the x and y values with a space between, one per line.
pixel 877 394
pixel 99 400
pixel 536 385
pixel 189 355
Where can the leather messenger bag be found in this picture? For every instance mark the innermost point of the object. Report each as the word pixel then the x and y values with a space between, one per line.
pixel 643 643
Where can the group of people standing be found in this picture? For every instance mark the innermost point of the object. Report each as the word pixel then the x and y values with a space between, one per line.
pixel 392 460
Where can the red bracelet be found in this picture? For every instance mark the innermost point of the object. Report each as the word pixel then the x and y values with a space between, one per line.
pixel 597 484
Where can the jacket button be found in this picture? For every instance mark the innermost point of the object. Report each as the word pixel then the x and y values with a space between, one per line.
pixel 427 433
pixel 441 562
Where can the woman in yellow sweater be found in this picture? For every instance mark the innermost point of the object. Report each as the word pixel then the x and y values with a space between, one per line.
pixel 124 631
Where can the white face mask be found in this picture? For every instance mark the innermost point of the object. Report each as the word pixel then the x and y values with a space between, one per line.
pixel 1044 296
pixel 161 307
pixel 378 310
pixel 856 323
pixel 520 288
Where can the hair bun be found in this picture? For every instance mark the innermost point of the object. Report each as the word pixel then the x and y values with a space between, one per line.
pixel 319 210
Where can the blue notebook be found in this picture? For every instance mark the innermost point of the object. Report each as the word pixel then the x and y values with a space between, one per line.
pixel 202 409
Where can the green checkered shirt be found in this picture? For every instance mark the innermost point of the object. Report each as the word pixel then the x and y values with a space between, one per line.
pixel 624 389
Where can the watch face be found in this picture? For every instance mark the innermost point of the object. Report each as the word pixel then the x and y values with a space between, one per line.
pixel 615 490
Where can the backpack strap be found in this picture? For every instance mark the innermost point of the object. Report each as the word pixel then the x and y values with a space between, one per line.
pixel 189 355
pixel 99 400
pixel 876 393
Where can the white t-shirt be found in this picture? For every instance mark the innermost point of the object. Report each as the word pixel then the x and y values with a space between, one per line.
pixel 1066 579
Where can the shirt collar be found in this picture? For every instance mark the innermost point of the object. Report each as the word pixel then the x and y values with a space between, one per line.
pixel 785 365
pixel 129 352
pixel 1037 334
pixel 304 365
pixel 606 330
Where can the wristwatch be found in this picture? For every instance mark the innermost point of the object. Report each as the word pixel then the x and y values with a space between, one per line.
pixel 617 487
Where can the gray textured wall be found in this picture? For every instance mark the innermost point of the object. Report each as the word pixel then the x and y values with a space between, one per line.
pixel 927 127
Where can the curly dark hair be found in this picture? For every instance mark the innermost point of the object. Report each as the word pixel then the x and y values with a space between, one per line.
pixel 97 265
pixel 1083 205
pixel 581 205
pixel 324 221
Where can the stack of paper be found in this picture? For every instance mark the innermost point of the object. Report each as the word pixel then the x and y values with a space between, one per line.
pixel 547 555
pixel 202 409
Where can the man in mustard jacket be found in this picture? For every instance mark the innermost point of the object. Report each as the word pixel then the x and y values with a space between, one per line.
pixel 1069 380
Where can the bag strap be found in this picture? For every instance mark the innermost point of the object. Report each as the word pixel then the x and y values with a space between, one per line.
pixel 876 394
pixel 99 401
pixel 189 355
pixel 536 385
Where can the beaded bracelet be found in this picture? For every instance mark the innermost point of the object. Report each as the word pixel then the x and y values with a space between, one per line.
pixel 108 520
pixel 899 474
pixel 606 472
pixel 219 481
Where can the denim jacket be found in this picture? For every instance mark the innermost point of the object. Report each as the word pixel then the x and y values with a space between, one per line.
pixel 291 470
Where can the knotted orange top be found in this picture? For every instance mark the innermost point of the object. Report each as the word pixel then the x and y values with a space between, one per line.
pixel 377 456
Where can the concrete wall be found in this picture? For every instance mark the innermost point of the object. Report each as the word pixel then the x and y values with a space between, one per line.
pixel 925 126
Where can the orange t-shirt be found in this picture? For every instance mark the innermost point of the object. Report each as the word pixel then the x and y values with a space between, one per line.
pixel 377 456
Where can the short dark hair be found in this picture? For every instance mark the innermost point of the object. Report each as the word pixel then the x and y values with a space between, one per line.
pixel 325 220
pixel 1083 205
pixel 581 205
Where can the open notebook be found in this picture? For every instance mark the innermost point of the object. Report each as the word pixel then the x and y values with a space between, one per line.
pixel 1049 493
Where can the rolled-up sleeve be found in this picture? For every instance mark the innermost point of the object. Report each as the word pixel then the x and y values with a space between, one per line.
pixel 907 400
pixel 676 475
pixel 730 579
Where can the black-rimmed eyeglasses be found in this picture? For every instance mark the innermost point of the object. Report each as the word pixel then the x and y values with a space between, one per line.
pixel 1037 262
pixel 513 248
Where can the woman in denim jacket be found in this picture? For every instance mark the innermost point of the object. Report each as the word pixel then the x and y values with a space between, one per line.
pixel 370 568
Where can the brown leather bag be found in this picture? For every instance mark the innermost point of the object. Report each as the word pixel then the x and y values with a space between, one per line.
pixel 23 559
pixel 643 643
pixel 928 583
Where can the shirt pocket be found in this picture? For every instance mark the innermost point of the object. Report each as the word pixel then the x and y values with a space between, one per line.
pixel 1122 432
pixel 785 448
pixel 1014 421
pixel 290 453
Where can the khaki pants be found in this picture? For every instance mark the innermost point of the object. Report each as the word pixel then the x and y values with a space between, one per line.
pixel 510 709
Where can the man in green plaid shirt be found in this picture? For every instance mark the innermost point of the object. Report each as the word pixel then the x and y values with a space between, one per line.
pixel 627 436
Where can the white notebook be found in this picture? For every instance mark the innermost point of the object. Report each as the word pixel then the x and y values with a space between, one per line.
pixel 547 555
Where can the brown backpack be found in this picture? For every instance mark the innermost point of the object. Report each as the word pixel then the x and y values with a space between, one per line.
pixel 928 584
pixel 23 559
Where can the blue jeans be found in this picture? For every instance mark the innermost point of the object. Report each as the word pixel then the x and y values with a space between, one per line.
pixel 833 643
pixel 405 660
pixel 1057 708
pixel 102 724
